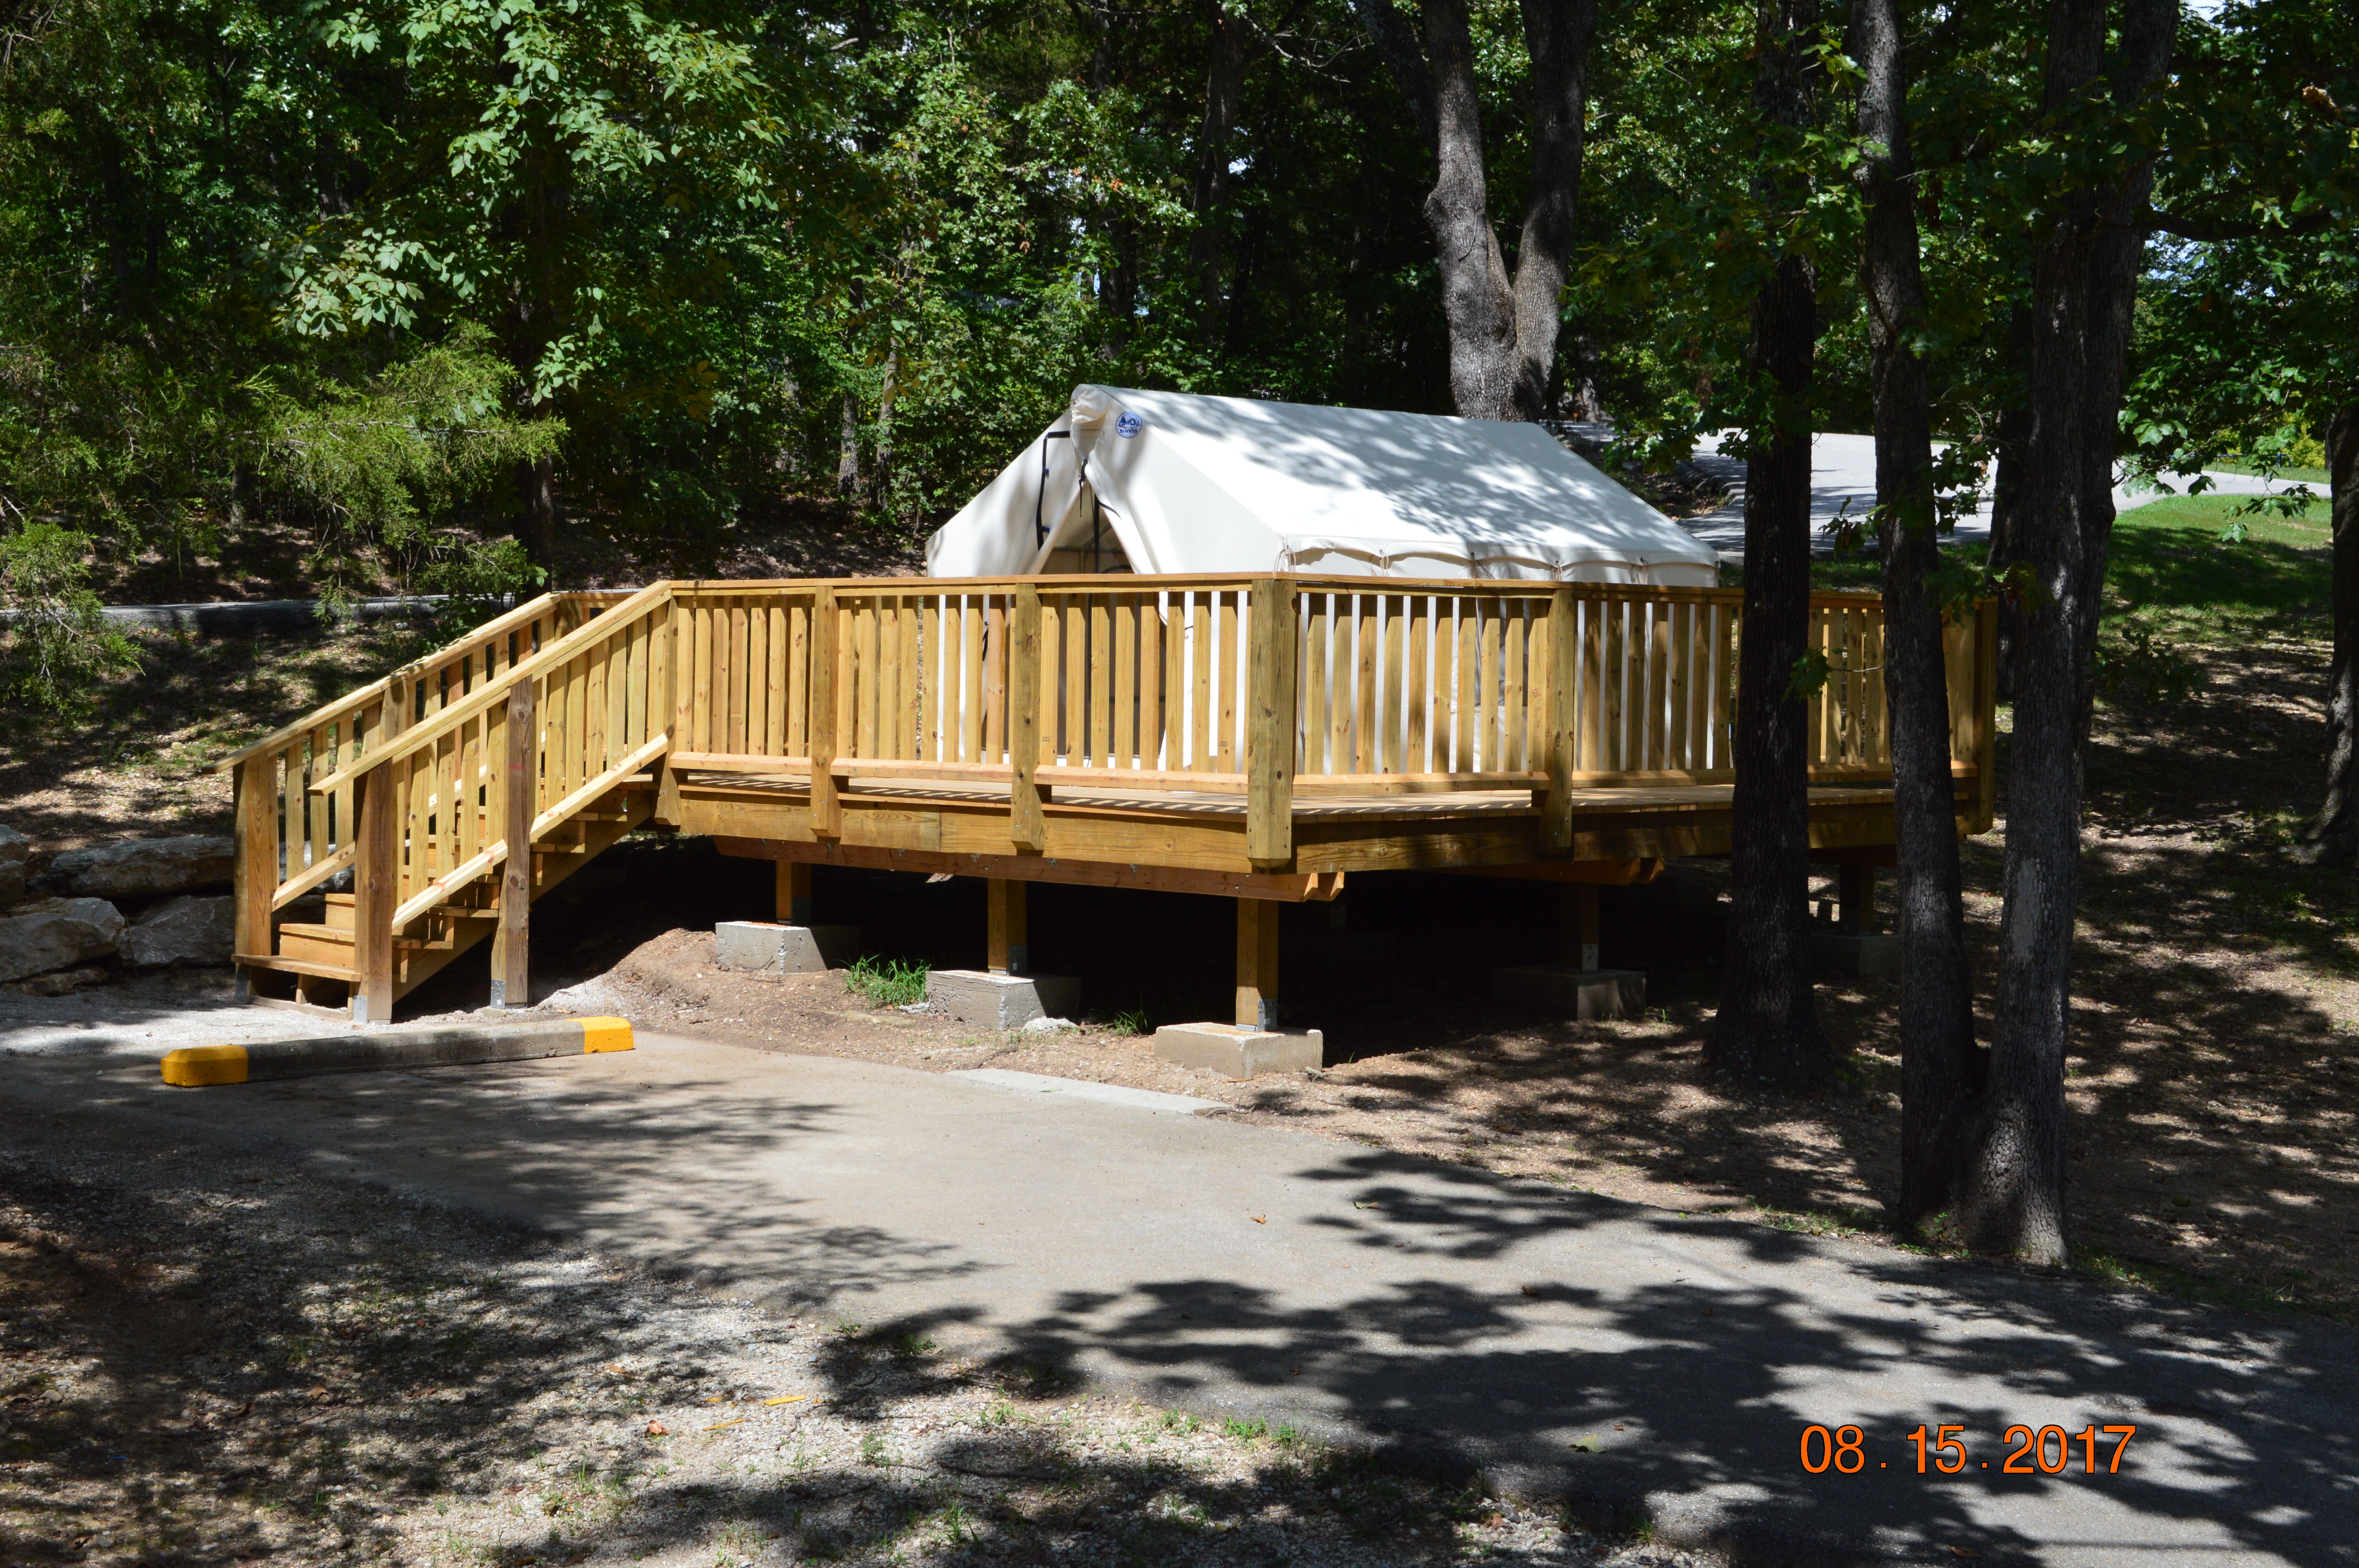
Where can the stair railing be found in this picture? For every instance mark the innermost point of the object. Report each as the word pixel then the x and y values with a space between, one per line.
pixel 289 840
pixel 445 801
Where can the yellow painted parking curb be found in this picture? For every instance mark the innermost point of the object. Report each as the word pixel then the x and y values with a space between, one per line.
pixel 606 1035
pixel 195 1066
pixel 398 1050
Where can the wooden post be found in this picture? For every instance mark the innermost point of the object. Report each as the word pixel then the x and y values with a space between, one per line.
pixel 255 873
pixel 826 810
pixel 1270 683
pixel 1580 926
pixel 794 892
pixel 1565 669
pixel 1010 949
pixel 1256 964
pixel 664 665
pixel 1026 824
pixel 376 892
pixel 1855 899
pixel 520 777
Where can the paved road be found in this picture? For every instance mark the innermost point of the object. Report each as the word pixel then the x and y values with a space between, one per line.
pixel 1623 1354
pixel 1843 473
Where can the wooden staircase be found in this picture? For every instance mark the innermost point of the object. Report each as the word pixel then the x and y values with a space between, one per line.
pixel 316 959
pixel 544 727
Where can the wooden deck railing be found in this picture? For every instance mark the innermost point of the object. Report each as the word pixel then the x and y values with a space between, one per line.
pixel 1272 688
pixel 1186 684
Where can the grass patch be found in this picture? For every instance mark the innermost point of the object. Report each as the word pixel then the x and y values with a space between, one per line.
pixel 2170 555
pixel 2182 557
pixel 887 983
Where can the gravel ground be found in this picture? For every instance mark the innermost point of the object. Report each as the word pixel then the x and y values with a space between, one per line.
pixel 223 1360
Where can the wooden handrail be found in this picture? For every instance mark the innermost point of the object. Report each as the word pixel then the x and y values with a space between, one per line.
pixel 495 691
pixel 353 701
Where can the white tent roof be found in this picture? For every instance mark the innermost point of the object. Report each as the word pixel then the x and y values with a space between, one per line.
pixel 1166 482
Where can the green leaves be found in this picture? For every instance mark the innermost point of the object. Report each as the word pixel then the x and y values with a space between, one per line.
pixel 56 643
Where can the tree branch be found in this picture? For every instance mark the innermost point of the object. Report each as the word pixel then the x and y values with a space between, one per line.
pixel 2208 231
pixel 1394 40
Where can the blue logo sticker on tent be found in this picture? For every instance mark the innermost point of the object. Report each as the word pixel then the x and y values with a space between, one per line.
pixel 1128 425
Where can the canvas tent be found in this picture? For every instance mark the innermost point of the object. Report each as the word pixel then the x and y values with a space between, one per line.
pixel 1166 482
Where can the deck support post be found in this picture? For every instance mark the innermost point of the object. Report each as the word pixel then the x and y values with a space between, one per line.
pixel 1270 681
pixel 793 893
pixel 376 892
pixel 1855 899
pixel 1580 926
pixel 1010 945
pixel 827 638
pixel 519 793
pixel 255 872
pixel 1256 964
pixel 1027 826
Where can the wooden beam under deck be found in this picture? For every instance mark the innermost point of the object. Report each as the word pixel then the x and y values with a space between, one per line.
pixel 893 826
pixel 1278 887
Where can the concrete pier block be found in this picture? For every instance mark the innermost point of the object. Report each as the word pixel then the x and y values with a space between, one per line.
pixel 1583 994
pixel 1836 952
pixel 766 947
pixel 987 1001
pixel 1240 1052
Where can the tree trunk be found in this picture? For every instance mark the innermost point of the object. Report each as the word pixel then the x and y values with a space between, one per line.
pixel 1502 325
pixel 1942 1067
pixel 536 489
pixel 1767 1029
pixel 2335 833
pixel 2085 280
pixel 2011 428
pixel 1224 77
pixel 847 454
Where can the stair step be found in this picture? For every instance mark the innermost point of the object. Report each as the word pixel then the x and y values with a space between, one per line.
pixel 324 943
pixel 298 967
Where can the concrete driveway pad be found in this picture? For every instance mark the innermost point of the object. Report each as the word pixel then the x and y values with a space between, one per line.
pixel 1560 1342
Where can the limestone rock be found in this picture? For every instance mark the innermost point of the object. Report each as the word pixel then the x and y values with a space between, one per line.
pixel 55 934
pixel 144 868
pixel 57 982
pixel 16 849
pixel 182 930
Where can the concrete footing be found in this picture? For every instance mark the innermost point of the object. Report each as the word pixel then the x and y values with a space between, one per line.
pixel 1240 1052
pixel 988 1001
pixel 1874 956
pixel 766 947
pixel 1583 994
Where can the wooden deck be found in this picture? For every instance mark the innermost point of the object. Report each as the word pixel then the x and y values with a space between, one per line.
pixel 1260 739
